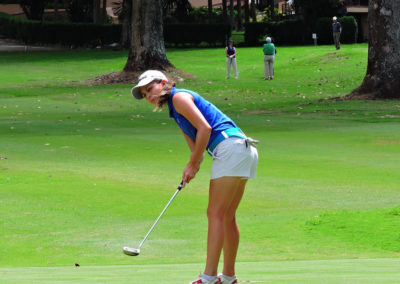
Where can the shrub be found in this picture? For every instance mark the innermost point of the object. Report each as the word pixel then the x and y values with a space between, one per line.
pixel 287 32
pixel 294 32
pixel 200 15
pixel 323 28
pixel 349 30
pixel 8 25
pixel 80 11
pixel 194 34
pixel 57 32
pixel 254 32
pixel 85 33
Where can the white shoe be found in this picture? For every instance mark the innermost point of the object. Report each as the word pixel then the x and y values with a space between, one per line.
pixel 227 280
pixel 202 280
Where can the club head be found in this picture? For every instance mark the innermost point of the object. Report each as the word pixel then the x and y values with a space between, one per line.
pixel 131 251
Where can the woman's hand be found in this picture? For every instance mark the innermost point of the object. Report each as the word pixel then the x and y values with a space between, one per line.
pixel 189 172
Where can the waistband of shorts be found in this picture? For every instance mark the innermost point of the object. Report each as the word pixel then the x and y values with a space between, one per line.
pixel 230 132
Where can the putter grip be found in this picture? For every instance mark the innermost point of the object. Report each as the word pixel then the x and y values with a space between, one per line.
pixel 180 185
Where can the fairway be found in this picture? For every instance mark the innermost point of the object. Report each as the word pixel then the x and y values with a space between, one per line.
pixel 85 170
pixel 321 271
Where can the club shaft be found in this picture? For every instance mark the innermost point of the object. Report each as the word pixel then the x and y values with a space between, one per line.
pixel 159 217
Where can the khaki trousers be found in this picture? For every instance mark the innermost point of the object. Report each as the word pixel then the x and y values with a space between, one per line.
pixel 336 39
pixel 268 66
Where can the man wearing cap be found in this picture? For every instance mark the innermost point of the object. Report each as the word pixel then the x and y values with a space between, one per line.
pixel 337 30
pixel 269 58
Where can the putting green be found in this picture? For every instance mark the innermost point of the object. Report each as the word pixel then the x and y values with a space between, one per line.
pixel 316 271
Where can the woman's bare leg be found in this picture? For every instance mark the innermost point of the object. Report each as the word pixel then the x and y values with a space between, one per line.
pixel 223 193
pixel 231 232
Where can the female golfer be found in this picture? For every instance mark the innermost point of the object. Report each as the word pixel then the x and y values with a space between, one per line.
pixel 230 54
pixel 234 156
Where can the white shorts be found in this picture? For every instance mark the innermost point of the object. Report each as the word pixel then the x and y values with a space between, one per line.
pixel 232 157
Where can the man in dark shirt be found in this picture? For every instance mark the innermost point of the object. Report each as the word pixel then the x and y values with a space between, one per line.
pixel 337 29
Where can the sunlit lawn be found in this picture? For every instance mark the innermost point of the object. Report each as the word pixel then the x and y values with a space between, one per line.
pixel 85 170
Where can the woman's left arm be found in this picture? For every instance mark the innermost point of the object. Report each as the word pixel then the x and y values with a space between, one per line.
pixel 184 104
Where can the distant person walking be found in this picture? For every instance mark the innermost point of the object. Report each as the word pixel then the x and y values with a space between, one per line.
pixel 230 53
pixel 337 30
pixel 269 58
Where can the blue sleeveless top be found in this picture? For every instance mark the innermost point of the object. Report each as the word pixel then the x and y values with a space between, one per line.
pixel 215 118
pixel 230 51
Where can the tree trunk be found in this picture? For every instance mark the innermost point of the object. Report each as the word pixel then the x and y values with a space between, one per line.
pixel 253 11
pixel 246 11
pixel 56 14
pixel 232 14
pixel 224 10
pixel 33 9
pixel 126 21
pixel 147 50
pixel 104 12
pixel 239 14
pixel 271 9
pixel 209 11
pixel 382 80
pixel 96 11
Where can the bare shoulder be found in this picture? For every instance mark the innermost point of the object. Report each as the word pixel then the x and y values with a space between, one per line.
pixel 183 103
pixel 182 97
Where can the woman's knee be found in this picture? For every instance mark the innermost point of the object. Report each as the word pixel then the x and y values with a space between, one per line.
pixel 216 213
pixel 230 217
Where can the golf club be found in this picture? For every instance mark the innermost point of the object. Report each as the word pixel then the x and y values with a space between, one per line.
pixel 136 251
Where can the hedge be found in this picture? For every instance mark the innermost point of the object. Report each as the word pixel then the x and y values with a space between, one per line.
pixel 254 33
pixel 295 32
pixel 349 30
pixel 194 34
pixel 38 32
pixel 81 34
pixel 287 32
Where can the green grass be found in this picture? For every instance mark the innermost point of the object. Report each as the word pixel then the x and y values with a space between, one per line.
pixel 315 271
pixel 85 170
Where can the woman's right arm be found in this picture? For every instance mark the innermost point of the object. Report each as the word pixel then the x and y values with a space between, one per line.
pixel 184 105
pixel 189 141
pixel 191 144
